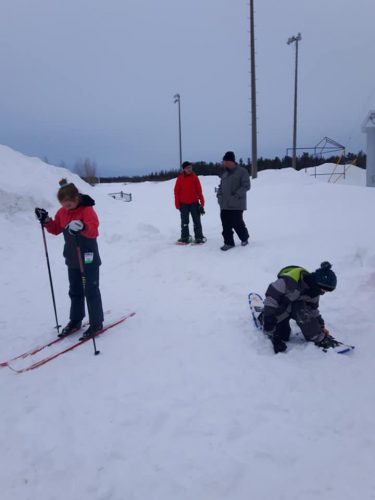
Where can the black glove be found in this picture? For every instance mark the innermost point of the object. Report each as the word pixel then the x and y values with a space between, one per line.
pixel 42 215
pixel 201 210
pixel 278 345
pixel 327 342
pixel 75 226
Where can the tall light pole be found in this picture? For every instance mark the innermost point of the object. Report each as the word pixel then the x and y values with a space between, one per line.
pixel 177 99
pixel 254 154
pixel 295 39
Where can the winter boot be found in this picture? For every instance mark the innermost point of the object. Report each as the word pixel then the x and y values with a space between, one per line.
pixel 185 241
pixel 278 344
pixel 71 327
pixel 91 331
pixel 226 247
pixel 200 241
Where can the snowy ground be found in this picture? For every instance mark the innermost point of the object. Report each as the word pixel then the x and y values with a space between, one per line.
pixel 187 401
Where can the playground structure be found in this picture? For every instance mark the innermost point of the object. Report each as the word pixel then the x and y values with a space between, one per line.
pixel 327 147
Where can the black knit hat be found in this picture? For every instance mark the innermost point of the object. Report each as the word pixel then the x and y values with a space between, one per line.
pixel 324 277
pixel 186 164
pixel 229 156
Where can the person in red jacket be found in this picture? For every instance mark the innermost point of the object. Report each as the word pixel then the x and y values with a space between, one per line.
pixel 189 200
pixel 78 222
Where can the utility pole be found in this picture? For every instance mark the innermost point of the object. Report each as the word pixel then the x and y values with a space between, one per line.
pixel 254 153
pixel 368 127
pixel 177 99
pixel 295 39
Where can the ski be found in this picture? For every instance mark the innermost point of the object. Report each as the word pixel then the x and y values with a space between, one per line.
pixel 45 360
pixel 35 350
pixel 256 308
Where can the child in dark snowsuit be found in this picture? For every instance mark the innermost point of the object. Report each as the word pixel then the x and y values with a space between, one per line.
pixel 78 222
pixel 295 295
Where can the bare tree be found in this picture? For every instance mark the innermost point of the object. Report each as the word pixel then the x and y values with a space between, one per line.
pixel 86 169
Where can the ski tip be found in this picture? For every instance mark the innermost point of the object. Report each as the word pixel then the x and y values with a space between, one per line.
pixel 15 370
pixel 346 350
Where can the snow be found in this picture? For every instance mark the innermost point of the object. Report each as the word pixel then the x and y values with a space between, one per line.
pixel 187 400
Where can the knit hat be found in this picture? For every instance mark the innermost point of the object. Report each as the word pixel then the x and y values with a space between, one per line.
pixel 67 191
pixel 186 164
pixel 324 277
pixel 229 156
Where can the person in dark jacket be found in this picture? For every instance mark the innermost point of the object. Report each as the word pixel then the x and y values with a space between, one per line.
pixel 231 195
pixel 295 295
pixel 189 199
pixel 78 222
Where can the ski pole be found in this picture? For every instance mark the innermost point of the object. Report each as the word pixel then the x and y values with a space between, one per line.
pixel 83 276
pixel 50 277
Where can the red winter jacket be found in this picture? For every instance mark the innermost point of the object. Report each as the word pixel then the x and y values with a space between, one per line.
pixel 86 238
pixel 188 190
pixel 84 213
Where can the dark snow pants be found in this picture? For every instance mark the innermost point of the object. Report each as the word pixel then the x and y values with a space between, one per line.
pixel 306 319
pixel 233 220
pixel 93 297
pixel 193 209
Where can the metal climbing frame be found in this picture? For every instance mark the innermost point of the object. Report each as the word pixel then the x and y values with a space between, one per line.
pixel 325 147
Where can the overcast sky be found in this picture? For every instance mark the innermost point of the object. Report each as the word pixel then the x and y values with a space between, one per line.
pixel 96 78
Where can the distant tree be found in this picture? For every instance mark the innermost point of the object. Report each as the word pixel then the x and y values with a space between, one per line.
pixel 305 161
pixel 287 161
pixel 86 169
pixel 202 168
pixel 360 160
pixel 277 163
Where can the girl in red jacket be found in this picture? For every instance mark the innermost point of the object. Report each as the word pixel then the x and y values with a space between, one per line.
pixel 78 222
pixel 189 200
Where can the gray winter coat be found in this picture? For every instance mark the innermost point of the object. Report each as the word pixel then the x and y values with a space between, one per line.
pixel 234 183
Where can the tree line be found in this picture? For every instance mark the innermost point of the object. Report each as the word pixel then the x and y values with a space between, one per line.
pixel 202 168
pixel 87 169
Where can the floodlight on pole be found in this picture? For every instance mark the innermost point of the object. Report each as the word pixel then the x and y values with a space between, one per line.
pixel 295 39
pixel 177 99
